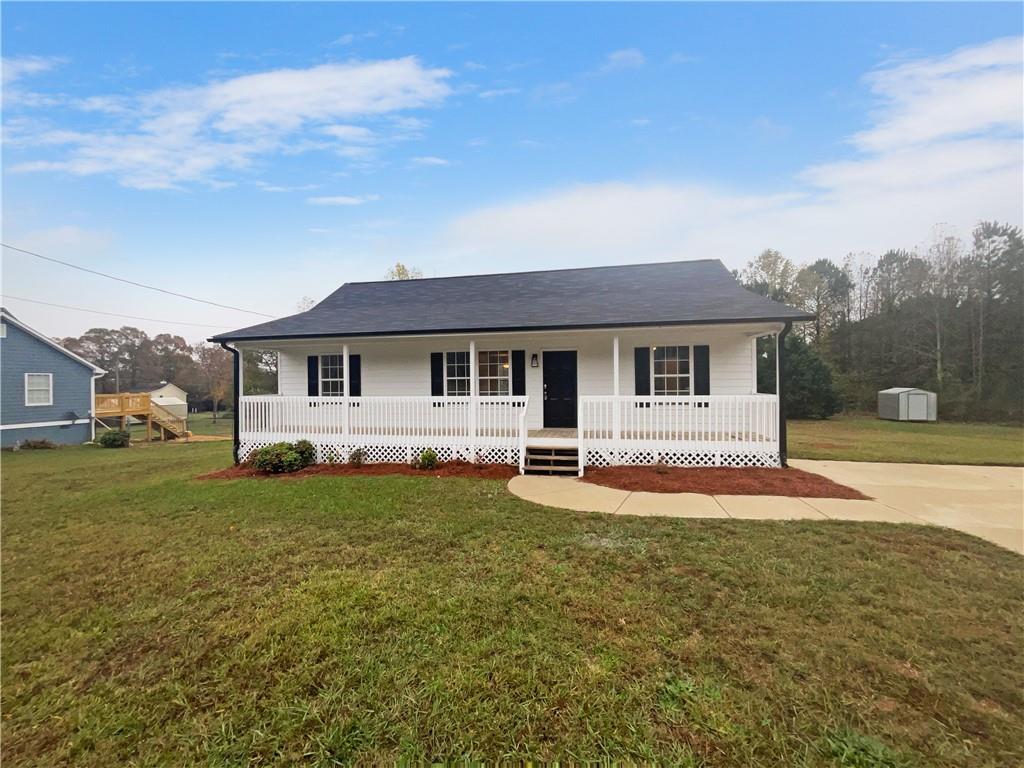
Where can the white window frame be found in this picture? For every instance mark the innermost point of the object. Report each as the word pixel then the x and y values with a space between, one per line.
pixel 507 377
pixel 3 330
pixel 449 379
pixel 340 379
pixel 688 374
pixel 49 399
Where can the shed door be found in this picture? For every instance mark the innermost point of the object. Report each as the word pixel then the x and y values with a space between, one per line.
pixel 917 406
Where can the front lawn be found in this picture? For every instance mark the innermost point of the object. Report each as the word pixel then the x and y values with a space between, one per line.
pixel 865 438
pixel 153 619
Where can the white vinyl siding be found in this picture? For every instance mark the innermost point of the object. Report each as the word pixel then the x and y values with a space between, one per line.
pixel 402 366
pixel 38 389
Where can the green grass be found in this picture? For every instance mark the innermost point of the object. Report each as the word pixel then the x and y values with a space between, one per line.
pixel 866 438
pixel 203 424
pixel 198 424
pixel 153 619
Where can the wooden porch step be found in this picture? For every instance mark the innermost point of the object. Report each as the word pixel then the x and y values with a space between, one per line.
pixel 552 461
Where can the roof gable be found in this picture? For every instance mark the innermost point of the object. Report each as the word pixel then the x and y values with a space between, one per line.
pixel 7 317
pixel 671 293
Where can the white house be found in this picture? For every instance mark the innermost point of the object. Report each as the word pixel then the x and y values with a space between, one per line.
pixel 550 370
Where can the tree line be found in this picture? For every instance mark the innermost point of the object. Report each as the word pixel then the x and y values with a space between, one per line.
pixel 135 362
pixel 948 317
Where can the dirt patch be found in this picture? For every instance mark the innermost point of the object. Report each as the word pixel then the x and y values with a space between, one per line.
pixel 445 469
pixel 721 480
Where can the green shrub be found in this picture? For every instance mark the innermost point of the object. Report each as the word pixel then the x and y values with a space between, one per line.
pixel 282 457
pixel 307 451
pixel 35 445
pixel 357 458
pixel 427 459
pixel 114 438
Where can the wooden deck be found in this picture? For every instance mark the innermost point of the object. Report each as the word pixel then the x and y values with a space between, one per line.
pixel 122 405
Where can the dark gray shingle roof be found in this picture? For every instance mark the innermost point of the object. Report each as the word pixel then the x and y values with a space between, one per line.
pixel 671 293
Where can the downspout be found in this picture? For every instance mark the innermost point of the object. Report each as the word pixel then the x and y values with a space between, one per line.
pixel 235 402
pixel 780 364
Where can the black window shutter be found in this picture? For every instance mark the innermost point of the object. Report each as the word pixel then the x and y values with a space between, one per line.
pixel 313 375
pixel 701 370
pixel 437 374
pixel 518 372
pixel 355 373
pixel 642 370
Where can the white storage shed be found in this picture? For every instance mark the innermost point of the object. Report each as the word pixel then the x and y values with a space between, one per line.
pixel 907 404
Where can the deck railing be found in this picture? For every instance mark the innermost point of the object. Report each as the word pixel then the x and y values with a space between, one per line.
pixel 389 428
pixel 715 430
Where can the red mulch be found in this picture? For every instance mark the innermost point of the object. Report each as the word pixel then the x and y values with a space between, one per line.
pixel 721 480
pixel 444 469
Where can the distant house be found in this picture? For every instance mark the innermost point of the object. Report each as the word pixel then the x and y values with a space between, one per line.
pixel 171 397
pixel 46 392
pixel 554 371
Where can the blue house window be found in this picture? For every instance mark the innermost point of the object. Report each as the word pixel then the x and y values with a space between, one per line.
pixel 38 389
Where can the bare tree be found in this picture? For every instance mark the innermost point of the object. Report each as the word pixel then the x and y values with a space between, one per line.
pixel 402 272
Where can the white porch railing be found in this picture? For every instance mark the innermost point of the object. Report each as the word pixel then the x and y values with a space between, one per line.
pixel 715 430
pixel 392 429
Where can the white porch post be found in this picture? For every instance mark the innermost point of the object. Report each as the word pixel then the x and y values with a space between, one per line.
pixel 776 365
pixel 474 399
pixel 241 373
pixel 753 366
pixel 616 405
pixel 344 385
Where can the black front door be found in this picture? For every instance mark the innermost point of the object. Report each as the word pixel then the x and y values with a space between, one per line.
pixel 560 389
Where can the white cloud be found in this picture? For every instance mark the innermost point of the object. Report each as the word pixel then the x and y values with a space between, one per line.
pixel 342 199
pixel 640 122
pixel 626 58
pixel 355 133
pixel 969 91
pixel 189 134
pixel 429 160
pixel 15 68
pixel 919 164
pixel 494 93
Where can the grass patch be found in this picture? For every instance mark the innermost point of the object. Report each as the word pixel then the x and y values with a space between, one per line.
pixel 198 424
pixel 865 438
pixel 151 619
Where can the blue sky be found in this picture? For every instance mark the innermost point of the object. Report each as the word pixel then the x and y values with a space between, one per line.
pixel 254 154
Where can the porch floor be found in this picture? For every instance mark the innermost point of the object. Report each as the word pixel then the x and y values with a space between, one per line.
pixel 566 432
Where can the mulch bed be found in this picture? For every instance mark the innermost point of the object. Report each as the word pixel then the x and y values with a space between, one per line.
pixel 444 469
pixel 721 480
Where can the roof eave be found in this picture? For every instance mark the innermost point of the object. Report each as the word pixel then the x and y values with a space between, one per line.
pixel 798 318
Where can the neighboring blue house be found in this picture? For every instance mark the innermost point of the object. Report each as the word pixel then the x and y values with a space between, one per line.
pixel 46 392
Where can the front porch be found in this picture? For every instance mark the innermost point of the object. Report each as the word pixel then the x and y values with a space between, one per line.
pixel 710 430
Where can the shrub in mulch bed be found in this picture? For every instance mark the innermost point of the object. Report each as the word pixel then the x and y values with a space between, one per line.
pixel 721 480
pixel 443 469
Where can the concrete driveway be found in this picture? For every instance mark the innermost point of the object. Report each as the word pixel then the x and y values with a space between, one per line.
pixel 983 501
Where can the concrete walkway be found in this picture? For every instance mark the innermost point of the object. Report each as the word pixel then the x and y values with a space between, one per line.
pixel 983 501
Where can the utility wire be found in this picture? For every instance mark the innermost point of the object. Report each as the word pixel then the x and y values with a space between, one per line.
pixel 112 314
pixel 132 282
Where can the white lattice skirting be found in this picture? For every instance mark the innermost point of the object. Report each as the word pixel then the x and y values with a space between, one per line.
pixel 327 452
pixel 679 457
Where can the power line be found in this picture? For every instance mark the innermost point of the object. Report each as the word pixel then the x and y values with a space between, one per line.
pixel 132 282
pixel 112 314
